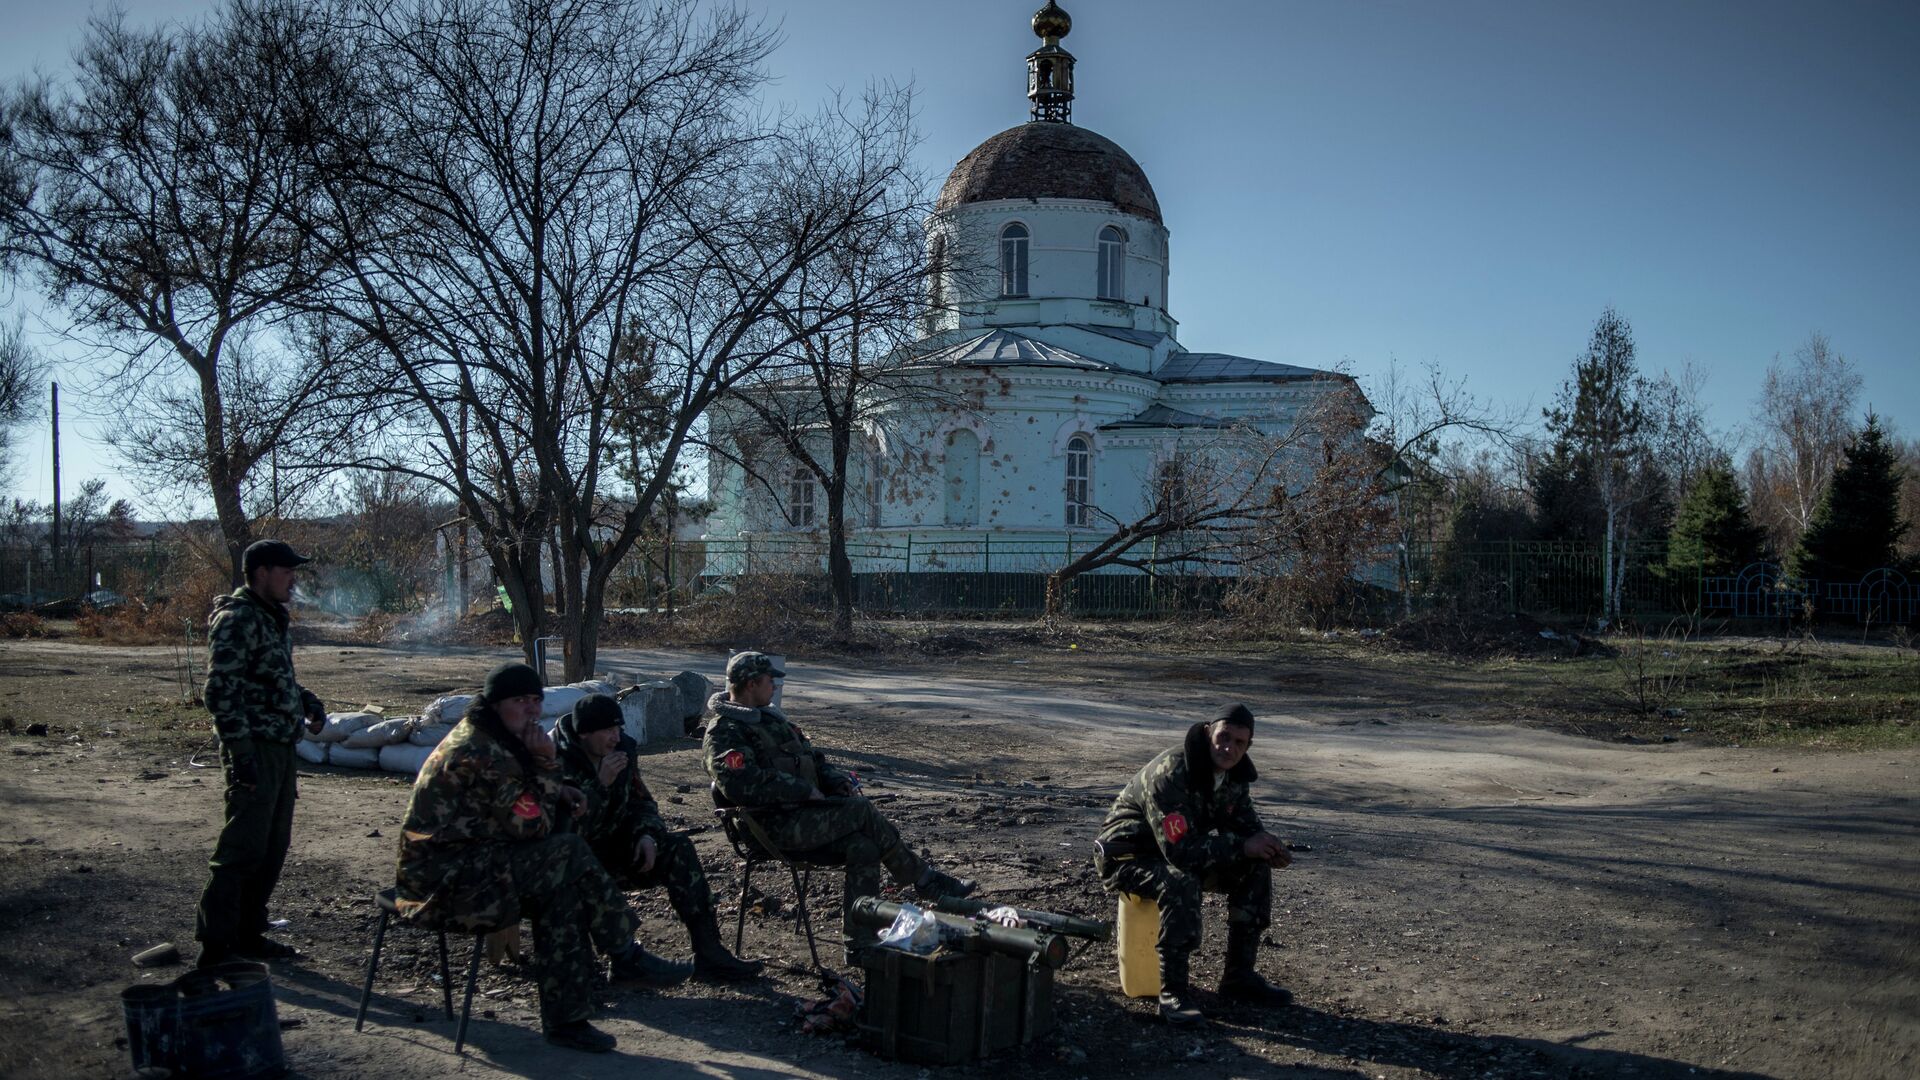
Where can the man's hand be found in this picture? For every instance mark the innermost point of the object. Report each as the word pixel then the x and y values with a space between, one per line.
pixel 244 772
pixel 610 767
pixel 816 795
pixel 1267 848
pixel 316 719
pixel 575 800
pixel 646 851
pixel 540 745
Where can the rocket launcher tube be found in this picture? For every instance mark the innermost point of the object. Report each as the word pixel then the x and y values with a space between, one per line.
pixel 1071 925
pixel 1046 949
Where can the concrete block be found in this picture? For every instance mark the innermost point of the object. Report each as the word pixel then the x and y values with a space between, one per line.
pixel 651 712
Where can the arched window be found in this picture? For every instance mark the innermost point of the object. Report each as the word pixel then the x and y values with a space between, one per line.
pixel 1013 260
pixel 1079 482
pixel 800 497
pixel 1113 264
pixel 962 468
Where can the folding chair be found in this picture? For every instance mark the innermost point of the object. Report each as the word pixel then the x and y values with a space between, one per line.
pixel 388 902
pixel 754 847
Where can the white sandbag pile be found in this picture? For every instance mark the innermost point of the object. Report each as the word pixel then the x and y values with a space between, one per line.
pixel 654 711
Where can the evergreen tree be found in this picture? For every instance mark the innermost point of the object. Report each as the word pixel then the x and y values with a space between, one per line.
pixel 1856 528
pixel 1713 531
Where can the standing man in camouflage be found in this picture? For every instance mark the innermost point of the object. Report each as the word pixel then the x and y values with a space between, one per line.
pixel 624 827
pixel 481 848
pixel 801 803
pixel 1183 825
pixel 257 708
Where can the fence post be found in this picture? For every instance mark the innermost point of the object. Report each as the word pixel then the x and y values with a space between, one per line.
pixel 986 553
pixel 907 564
pixel 1513 600
pixel 749 554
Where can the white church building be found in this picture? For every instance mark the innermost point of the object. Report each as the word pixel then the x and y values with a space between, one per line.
pixel 1053 324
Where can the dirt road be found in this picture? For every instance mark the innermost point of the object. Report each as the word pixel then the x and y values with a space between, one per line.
pixel 1481 898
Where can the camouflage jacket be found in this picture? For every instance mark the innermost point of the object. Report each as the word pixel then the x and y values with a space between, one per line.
pixel 617 812
pixel 470 802
pixel 250 689
pixel 1179 810
pixel 758 757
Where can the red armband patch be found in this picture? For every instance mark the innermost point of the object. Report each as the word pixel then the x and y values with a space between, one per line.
pixel 1174 826
pixel 526 806
pixel 734 759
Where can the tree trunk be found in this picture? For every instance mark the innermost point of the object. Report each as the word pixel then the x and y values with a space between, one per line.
pixel 520 575
pixel 224 477
pixel 839 566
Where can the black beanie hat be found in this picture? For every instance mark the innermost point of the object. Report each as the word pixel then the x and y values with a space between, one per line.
pixel 1236 715
pixel 596 711
pixel 511 680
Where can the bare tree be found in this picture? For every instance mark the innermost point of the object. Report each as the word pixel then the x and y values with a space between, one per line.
pixel 153 195
pixel 851 314
pixel 21 372
pixel 1803 421
pixel 580 258
pixel 1237 496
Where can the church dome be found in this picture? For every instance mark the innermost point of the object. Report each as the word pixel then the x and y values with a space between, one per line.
pixel 1041 160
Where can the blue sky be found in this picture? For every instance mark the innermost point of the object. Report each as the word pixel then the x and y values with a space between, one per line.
pixel 1462 184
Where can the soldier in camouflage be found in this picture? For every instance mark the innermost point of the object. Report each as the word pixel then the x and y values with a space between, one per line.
pixel 257 708
pixel 480 849
pixel 1186 824
pixel 802 804
pixel 624 827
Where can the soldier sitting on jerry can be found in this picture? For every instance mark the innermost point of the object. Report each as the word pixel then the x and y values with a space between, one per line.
pixel 1185 823
pixel 802 804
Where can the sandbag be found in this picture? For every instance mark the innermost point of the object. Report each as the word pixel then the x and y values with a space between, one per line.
pixel 342 726
pixel 311 752
pixel 448 709
pixel 429 734
pixel 348 757
pixel 384 733
pixel 559 700
pixel 404 757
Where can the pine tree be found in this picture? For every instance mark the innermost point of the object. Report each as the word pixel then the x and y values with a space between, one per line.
pixel 1857 527
pixel 1713 531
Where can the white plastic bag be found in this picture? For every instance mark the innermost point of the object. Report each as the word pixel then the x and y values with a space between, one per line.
pixel 913 931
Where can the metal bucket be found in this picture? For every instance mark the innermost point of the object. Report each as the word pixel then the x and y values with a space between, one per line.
pixel 218 1023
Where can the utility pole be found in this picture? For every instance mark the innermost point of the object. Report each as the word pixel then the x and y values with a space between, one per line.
pixel 56 478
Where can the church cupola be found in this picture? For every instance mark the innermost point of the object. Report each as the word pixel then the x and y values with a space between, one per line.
pixel 1050 67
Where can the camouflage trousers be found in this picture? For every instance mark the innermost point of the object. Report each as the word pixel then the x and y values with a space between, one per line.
pixel 676 865
pixel 575 909
pixel 1247 883
pixel 851 833
pixel 252 847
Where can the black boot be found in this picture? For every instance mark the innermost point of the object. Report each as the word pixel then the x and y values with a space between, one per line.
pixel 711 960
pixel 580 1035
pixel 1176 993
pixel 641 966
pixel 936 884
pixel 1242 981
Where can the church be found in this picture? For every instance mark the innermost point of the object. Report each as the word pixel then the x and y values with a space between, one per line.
pixel 1049 323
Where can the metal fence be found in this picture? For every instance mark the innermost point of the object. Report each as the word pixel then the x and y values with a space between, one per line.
pixel 984 575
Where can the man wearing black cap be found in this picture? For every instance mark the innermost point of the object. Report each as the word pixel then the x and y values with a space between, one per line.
pixel 802 803
pixel 257 708
pixel 624 827
pixel 1185 824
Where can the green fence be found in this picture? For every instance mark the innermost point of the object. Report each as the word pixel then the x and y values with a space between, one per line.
pixel 102 572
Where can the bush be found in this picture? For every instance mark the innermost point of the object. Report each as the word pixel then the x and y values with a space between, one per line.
pixel 23 624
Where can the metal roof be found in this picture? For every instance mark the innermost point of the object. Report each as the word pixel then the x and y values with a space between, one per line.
pixel 1043 160
pixel 1163 416
pixel 1190 367
pixel 1003 348
pixel 1128 334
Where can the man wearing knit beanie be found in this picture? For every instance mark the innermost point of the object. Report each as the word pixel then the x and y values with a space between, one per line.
pixel 1185 823
pixel 624 827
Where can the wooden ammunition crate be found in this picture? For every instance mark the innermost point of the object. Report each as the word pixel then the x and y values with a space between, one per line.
pixel 952 1007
